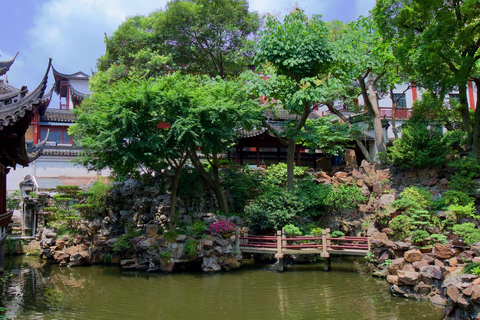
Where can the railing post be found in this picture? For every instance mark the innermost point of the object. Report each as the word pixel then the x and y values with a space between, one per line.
pixel 237 243
pixel 325 255
pixel 279 254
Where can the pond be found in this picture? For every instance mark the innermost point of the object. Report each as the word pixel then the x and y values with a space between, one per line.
pixel 35 289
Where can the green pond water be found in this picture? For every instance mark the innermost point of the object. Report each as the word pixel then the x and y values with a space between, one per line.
pixel 39 290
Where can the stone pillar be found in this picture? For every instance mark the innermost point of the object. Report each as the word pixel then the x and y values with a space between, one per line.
pixel 279 254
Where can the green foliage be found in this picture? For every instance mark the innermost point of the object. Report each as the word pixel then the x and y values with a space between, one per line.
pixel 337 234
pixel 401 226
pixel 370 257
pixel 344 197
pixel 276 175
pixel 198 228
pixel 472 268
pixel 97 195
pixel 69 191
pixel 165 256
pixel 242 185
pixel 434 238
pixel 62 201
pixel 419 147
pixel 170 236
pixel 460 211
pixel 190 184
pixel 421 218
pixel 468 232
pixel 107 258
pixel 13 200
pixel 10 246
pixel 419 235
pixel 316 232
pixel 124 242
pixel 191 248
pixel 314 197
pixel 405 204
pixel 421 196
pixel 273 210
pixel 387 263
pixel 291 231
pixel 465 171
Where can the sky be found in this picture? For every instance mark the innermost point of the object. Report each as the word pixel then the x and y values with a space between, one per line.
pixel 71 32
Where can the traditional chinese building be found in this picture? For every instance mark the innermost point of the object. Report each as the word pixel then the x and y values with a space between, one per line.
pixel 55 166
pixel 18 108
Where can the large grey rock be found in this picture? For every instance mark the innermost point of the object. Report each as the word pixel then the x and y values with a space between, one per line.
pixel 210 264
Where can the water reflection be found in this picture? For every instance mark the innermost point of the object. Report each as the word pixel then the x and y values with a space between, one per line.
pixel 39 290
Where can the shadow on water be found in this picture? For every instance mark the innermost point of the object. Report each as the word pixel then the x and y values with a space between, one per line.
pixel 40 290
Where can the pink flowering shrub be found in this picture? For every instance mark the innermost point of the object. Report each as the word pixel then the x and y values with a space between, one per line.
pixel 222 227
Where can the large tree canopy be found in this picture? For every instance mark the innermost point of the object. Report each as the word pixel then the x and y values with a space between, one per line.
pixel 213 37
pixel 154 125
pixel 438 43
pixel 298 56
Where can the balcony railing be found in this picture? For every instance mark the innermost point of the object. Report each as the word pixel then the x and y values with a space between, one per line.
pixel 401 113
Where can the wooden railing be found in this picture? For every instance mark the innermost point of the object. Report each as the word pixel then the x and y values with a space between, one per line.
pixel 280 244
pixel 401 113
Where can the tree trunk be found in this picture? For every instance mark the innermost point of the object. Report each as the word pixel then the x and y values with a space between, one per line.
pixel 290 164
pixel 212 183
pixel 394 111
pixel 476 127
pixel 222 201
pixel 173 198
pixel 370 97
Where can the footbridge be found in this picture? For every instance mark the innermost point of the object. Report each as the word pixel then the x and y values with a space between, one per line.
pixel 325 245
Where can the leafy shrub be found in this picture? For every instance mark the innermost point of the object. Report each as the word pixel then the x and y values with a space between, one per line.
pixel 273 210
pixel 222 227
pixel 465 171
pixel 97 196
pixel 276 175
pixel 337 234
pixel 468 232
pixel 419 147
pixel 421 196
pixel 13 200
pixel 420 218
pixel 190 184
pixel 470 267
pixel 344 197
pixel 316 232
pixel 198 228
pixel 401 226
pixel 62 201
pixel 457 197
pixel 191 248
pixel 124 242
pixel 460 211
pixel 242 185
pixel 438 238
pixel 405 204
pixel 419 235
pixel 313 196
pixel 170 236
pixel 291 230
pixel 69 191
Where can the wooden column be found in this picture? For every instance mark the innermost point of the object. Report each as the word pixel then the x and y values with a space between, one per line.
pixel 278 155
pixel 3 189
pixel 471 100
pixel 258 156
pixel 36 126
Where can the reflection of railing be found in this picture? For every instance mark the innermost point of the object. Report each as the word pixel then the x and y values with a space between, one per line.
pixel 401 113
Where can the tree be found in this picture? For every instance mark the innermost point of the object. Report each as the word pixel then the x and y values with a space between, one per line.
pixel 213 37
pixel 300 55
pixel 366 61
pixel 437 42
